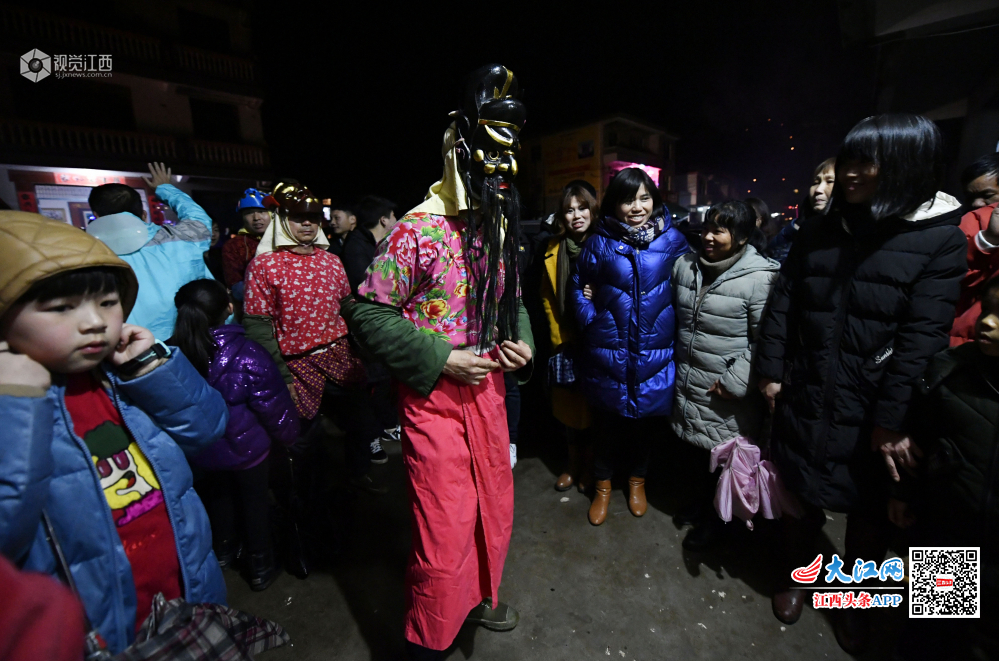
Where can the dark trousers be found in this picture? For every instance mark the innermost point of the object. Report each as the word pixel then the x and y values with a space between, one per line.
pixel 383 396
pixel 868 534
pixel 416 652
pixel 512 406
pixel 698 483
pixel 351 410
pixel 237 500
pixel 625 443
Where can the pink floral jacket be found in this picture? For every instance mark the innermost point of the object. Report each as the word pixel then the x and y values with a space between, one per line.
pixel 421 269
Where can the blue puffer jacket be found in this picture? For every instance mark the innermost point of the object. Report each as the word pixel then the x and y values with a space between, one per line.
pixel 628 329
pixel 171 412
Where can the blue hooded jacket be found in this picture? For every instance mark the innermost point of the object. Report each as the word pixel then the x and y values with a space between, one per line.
pixel 625 360
pixel 172 413
pixel 170 257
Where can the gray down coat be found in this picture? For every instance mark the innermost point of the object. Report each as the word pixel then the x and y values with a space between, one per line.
pixel 716 339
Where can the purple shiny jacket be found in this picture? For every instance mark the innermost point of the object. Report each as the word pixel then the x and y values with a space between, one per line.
pixel 260 406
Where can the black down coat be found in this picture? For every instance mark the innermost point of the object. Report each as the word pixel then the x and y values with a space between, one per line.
pixel 958 432
pixel 853 320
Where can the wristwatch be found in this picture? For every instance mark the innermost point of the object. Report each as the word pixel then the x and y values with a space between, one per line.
pixel 155 352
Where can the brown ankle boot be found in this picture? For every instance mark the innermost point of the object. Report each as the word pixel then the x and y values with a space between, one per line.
pixel 564 482
pixel 601 500
pixel 636 496
pixel 569 477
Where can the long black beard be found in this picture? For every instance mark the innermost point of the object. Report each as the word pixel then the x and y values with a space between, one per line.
pixel 496 318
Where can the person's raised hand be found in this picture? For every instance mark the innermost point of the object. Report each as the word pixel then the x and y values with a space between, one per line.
pixel 898 450
pixel 160 174
pixel 720 390
pixel 900 513
pixel 513 356
pixel 468 368
pixel 770 390
pixel 135 341
pixel 17 369
pixel 588 292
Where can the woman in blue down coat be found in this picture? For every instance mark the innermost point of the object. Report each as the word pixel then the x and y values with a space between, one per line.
pixel 624 308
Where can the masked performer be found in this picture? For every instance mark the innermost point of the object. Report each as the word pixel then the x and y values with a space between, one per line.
pixel 440 307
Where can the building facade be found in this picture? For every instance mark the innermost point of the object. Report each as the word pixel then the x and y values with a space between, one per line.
pixel 83 103
pixel 595 153
pixel 938 58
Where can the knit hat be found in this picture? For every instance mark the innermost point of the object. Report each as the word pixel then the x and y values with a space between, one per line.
pixel 35 247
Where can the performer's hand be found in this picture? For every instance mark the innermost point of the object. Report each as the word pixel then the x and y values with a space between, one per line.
pixel 17 369
pixel 720 390
pixel 895 447
pixel 161 174
pixel 468 368
pixel 514 356
pixel 293 393
pixel 770 390
pixel 588 292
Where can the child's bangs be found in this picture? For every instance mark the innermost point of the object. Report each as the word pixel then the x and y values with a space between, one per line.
pixel 94 281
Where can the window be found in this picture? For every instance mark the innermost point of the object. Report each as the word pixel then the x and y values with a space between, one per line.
pixel 203 31
pixel 75 102
pixel 215 121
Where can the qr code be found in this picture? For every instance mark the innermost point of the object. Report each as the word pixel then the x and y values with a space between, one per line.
pixel 944 581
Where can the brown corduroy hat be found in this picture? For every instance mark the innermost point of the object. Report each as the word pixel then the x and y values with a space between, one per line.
pixel 33 247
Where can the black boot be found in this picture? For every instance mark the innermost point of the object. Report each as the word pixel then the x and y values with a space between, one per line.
pixel 704 534
pixel 853 630
pixel 262 571
pixel 228 551
pixel 688 515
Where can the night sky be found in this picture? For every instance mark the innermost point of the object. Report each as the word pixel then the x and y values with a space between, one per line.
pixel 357 101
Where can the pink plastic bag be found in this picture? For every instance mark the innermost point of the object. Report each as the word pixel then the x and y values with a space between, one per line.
pixel 747 484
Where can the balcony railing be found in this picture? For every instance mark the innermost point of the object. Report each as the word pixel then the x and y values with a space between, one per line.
pixel 53 138
pixel 89 38
pixel 213 64
pixel 116 147
pixel 47 30
pixel 223 153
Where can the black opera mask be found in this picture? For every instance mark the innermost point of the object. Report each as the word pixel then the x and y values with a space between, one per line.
pixel 490 125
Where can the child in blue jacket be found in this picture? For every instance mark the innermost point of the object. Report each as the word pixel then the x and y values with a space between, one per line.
pixel 98 422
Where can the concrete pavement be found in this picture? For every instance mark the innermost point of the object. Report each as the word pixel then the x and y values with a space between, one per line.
pixel 625 590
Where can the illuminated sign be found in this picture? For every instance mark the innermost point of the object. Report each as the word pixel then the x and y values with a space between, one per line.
pixel 617 166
